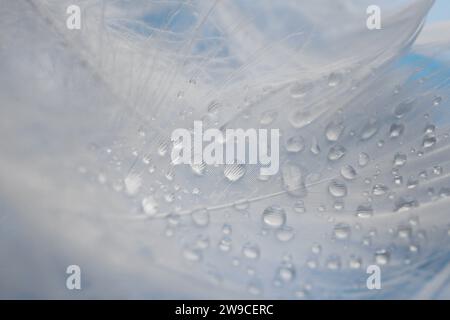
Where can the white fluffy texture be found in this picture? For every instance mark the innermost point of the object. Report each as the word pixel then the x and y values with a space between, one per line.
pixel 84 113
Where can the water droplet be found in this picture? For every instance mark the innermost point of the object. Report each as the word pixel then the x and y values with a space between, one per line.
pixel 274 217
pixel 233 172
pixel 382 257
pixel 202 242
pixel 149 206
pixel 293 180
pixel 286 273
pixel 300 119
pixel 250 251
pixel 348 172
pixel 162 149
pixel 437 170
pixel 364 211
pixel 254 288
pixel 369 129
pixel 333 131
pixel 295 144
pixel 403 108
pixel 396 130
pixel 225 244
pixel 241 205
pixel 363 159
pixel 336 152
pixel 133 183
pixel 437 101
pixel 355 263
pixel 404 232
pixel 430 129
pixel 299 207
pixel 200 217
pixel 412 182
pixel 192 255
pixel 337 188
pixel 285 234
pixel 429 141
pixel 341 231
pixel 405 204
pixel 399 159
pixel 333 263
pixel 379 189
pixel 226 229
pixel 334 79
pixel 316 248
pixel 315 148
pixel 268 117
pixel 299 90
pixel 198 169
